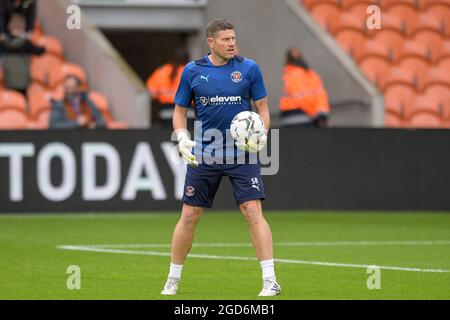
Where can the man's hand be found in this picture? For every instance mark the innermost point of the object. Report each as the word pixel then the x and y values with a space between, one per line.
pixel 82 121
pixel 254 147
pixel 185 146
pixel 241 145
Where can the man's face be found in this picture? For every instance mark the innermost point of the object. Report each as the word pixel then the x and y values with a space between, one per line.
pixel 71 88
pixel 223 44
pixel 16 26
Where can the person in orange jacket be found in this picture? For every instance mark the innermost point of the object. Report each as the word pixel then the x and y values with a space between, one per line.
pixel 304 101
pixel 162 85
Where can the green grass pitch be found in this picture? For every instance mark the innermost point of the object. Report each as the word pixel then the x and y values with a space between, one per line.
pixel 324 256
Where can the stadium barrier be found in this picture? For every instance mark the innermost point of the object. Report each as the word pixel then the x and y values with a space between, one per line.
pixel 138 170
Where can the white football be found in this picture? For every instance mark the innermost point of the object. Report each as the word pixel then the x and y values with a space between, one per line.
pixel 247 126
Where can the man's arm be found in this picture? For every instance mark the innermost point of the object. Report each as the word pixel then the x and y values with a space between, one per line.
pixel 179 120
pixel 185 144
pixel 96 114
pixel 31 48
pixel 262 107
pixel 58 119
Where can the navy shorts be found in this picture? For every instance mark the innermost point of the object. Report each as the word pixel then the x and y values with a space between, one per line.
pixel 202 182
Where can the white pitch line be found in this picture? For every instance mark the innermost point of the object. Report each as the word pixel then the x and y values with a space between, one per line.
pixel 216 257
pixel 283 244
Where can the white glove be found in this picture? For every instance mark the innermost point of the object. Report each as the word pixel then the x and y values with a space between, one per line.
pixel 251 145
pixel 185 146
pixel 254 146
pixel 241 146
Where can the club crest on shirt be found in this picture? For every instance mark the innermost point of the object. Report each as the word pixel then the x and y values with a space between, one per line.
pixel 204 100
pixel 189 191
pixel 236 76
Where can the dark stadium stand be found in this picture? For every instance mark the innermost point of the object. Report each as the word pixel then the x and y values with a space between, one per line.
pixel 408 59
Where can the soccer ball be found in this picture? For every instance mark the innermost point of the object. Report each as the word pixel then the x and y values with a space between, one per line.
pixel 247 129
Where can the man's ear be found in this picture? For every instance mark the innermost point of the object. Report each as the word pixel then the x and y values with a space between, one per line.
pixel 210 42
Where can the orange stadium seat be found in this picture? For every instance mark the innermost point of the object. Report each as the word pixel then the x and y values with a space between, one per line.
pixel 37 30
pixel 41 121
pixel 444 64
pixel 359 9
pixel 41 67
pixel 101 103
pixel 392 120
pixel 398 99
pixel 441 96
pixel 347 4
pixel 413 48
pixel 327 15
pixel 13 119
pixel 399 75
pixel 52 45
pixel 404 12
pixel 349 21
pixel 311 3
pixel 427 103
pixel 425 119
pixel 374 49
pixel 391 38
pixel 443 51
pixel 391 22
pixel 424 4
pixel 418 66
pixel 425 22
pixel 432 40
pixel 440 90
pixel 440 12
pixel 59 73
pixel 115 125
pixel 10 99
pixel 386 4
pixel 352 41
pixel 38 99
pixel 375 69
pixel 40 105
pixel 436 76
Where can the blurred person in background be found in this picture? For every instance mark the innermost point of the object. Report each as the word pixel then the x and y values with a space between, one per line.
pixel 76 110
pixel 163 84
pixel 25 7
pixel 304 101
pixel 16 49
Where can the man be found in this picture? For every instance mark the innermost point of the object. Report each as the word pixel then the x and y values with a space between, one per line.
pixel 304 101
pixel 25 7
pixel 220 74
pixel 16 50
pixel 76 110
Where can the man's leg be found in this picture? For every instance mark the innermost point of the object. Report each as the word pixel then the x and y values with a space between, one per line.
pixel 182 239
pixel 261 237
pixel 259 229
pixel 183 235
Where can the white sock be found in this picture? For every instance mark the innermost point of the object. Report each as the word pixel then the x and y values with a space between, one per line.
pixel 268 270
pixel 175 271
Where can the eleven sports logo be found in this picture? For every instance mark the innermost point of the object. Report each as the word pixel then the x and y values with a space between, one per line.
pixel 218 100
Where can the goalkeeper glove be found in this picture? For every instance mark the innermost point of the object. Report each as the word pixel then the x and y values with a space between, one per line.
pixel 185 146
pixel 253 146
